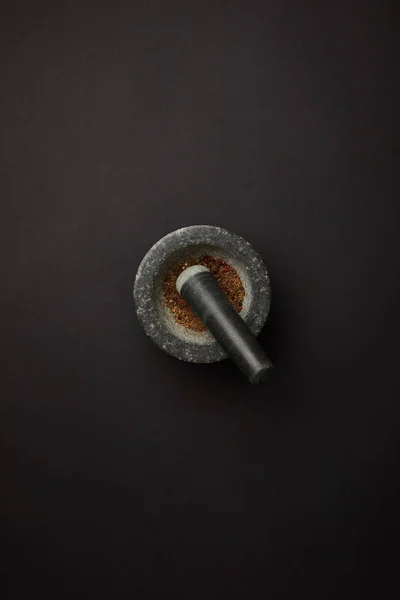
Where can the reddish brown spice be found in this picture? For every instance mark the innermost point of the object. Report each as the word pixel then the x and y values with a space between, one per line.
pixel 227 277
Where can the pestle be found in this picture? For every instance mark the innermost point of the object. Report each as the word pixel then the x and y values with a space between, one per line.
pixel 200 289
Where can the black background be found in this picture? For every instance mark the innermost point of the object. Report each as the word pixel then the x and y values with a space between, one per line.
pixel 124 471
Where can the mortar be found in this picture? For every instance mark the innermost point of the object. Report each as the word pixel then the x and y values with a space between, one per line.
pixel 193 242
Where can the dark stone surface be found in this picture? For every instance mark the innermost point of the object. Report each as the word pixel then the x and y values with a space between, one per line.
pixel 126 473
pixel 198 240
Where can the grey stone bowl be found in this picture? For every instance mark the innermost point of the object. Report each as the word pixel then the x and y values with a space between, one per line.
pixel 192 242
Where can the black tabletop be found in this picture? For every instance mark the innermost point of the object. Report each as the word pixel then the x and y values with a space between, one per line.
pixel 126 472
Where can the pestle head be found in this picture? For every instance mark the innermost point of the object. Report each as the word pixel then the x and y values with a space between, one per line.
pixel 187 274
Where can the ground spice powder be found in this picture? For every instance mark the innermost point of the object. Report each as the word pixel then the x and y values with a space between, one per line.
pixel 226 276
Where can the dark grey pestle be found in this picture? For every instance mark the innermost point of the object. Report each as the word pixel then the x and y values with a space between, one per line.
pixel 201 290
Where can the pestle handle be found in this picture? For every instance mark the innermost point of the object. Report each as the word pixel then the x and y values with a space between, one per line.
pixel 201 290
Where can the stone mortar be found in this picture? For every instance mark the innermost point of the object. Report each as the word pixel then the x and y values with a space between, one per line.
pixel 192 242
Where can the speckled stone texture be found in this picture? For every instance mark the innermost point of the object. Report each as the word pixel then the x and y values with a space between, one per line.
pixel 195 241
